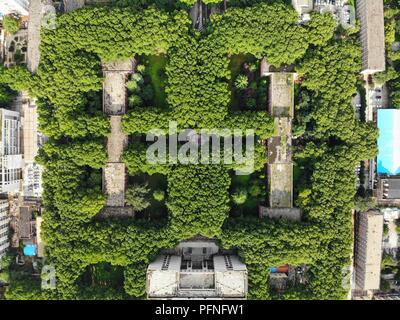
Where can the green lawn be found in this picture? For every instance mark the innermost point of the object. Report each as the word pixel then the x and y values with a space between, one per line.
pixel 155 69
pixel 157 209
pixel 250 207
pixel 254 97
pixel 103 274
pixel 235 67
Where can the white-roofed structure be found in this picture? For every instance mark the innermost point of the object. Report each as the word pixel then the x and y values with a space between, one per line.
pixel 196 269
pixel 390 214
pixel 303 6
pixel 19 7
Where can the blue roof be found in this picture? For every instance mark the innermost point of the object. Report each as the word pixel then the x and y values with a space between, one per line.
pixel 389 141
pixel 30 250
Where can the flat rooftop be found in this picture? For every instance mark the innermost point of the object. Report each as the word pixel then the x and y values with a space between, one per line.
pixel 389 142
pixel 369 250
pixel 36 8
pixel 372 35
pixel 116 141
pixel 30 132
pixel 391 188
pixel 290 214
pixel 279 146
pixel 280 185
pixel 114 87
pixel 114 184
pixel 281 94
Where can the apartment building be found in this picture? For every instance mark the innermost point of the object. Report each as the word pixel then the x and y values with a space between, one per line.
pixel 11 161
pixel 4 226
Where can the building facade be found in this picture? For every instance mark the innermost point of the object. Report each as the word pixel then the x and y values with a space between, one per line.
pixel 197 269
pixel 4 227
pixel 368 251
pixel 11 161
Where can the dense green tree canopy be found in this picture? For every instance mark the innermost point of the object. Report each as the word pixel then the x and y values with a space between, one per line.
pixel 68 87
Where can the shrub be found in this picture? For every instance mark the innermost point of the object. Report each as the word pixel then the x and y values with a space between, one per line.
pixel 6 96
pixel 388 261
pixel 148 93
pixel 132 86
pixel 137 77
pixel 385 230
pixel 251 103
pixel 141 68
pixel 253 67
pixel 255 190
pixel 11 24
pixel 241 82
pixel 137 197
pixel 159 195
pixel 385 285
pixel 239 196
pixel 135 101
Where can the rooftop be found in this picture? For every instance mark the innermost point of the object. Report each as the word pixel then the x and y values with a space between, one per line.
pixel 372 35
pixel 114 184
pixel 389 141
pixel 281 94
pixel 116 141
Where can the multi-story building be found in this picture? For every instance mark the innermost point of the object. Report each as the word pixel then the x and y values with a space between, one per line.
pixel 11 161
pixel 370 13
pixel 368 252
pixel 20 7
pixel 388 159
pixel 32 141
pixel 4 226
pixel 197 269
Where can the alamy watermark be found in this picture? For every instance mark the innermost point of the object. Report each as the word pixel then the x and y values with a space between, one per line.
pixel 207 146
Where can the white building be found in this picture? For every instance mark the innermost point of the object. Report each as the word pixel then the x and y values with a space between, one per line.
pixel 390 214
pixel 11 162
pixel 20 7
pixel 197 269
pixel 303 6
pixel 4 226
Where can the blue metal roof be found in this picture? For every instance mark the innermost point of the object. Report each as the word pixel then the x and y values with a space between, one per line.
pixel 30 250
pixel 389 141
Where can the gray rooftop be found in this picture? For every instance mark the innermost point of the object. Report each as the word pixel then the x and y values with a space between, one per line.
pixel 372 35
